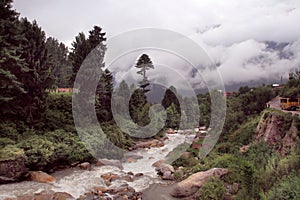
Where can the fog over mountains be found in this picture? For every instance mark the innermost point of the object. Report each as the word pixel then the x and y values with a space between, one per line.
pixel 251 42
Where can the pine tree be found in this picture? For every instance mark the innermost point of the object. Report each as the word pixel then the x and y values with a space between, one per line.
pixel 58 62
pixel 79 52
pixel 37 78
pixel 10 62
pixel 144 63
pixel 104 94
pixel 82 46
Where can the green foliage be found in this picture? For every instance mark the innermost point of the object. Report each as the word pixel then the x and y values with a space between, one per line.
pixel 245 133
pixel 292 88
pixel 6 141
pixel 259 153
pixel 9 130
pixel 58 62
pixel 11 63
pixel 287 189
pixel 10 152
pixel 103 97
pixel 139 108
pixel 38 151
pixel 82 46
pixel 224 161
pixel 52 149
pixel 213 190
pixel 173 117
pixel 58 114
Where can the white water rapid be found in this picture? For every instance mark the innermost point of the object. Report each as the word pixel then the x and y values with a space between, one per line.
pixel 76 182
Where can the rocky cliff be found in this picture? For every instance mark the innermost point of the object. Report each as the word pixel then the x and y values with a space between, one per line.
pixel 279 130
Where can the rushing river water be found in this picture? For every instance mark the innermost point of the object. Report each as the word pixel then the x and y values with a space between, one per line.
pixel 76 182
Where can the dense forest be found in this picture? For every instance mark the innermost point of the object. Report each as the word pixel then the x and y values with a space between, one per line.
pixel 37 125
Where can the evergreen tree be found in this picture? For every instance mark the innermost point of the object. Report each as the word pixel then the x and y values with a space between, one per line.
pixel 124 90
pixel 104 93
pixel 79 52
pixel 37 78
pixel 82 46
pixel 171 103
pixel 10 62
pixel 144 63
pixel 173 117
pixel 58 62
pixel 171 97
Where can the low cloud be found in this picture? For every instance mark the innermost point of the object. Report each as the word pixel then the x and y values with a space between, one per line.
pixel 233 33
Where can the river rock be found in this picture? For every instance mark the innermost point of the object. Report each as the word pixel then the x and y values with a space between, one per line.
pixel 192 184
pixel 186 155
pixel 139 174
pixel 179 172
pixel 168 176
pixel 85 166
pixel 170 131
pixel 45 195
pixel 164 168
pixel 62 196
pixel 158 163
pixel 148 144
pixel 41 177
pixel 132 155
pixel 131 160
pixel 106 162
pixel 110 176
pixel 128 178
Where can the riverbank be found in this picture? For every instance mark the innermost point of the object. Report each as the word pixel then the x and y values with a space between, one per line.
pixel 137 174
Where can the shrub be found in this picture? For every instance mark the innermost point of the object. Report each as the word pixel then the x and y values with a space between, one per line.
pixel 286 189
pixel 9 130
pixel 38 151
pixel 6 141
pixel 213 189
pixel 10 152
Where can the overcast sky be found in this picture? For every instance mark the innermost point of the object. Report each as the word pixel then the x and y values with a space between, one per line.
pixel 231 31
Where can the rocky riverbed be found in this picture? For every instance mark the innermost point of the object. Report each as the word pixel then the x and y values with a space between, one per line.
pixel 106 179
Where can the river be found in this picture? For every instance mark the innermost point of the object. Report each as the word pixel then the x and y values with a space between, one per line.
pixel 76 181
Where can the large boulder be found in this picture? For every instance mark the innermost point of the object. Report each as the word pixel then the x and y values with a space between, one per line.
pixel 106 162
pixel 12 170
pixel 41 177
pixel 192 184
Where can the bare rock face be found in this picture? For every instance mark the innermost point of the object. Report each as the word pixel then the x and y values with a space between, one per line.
pixel 278 132
pixel 41 177
pixel 191 185
pixel 106 162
